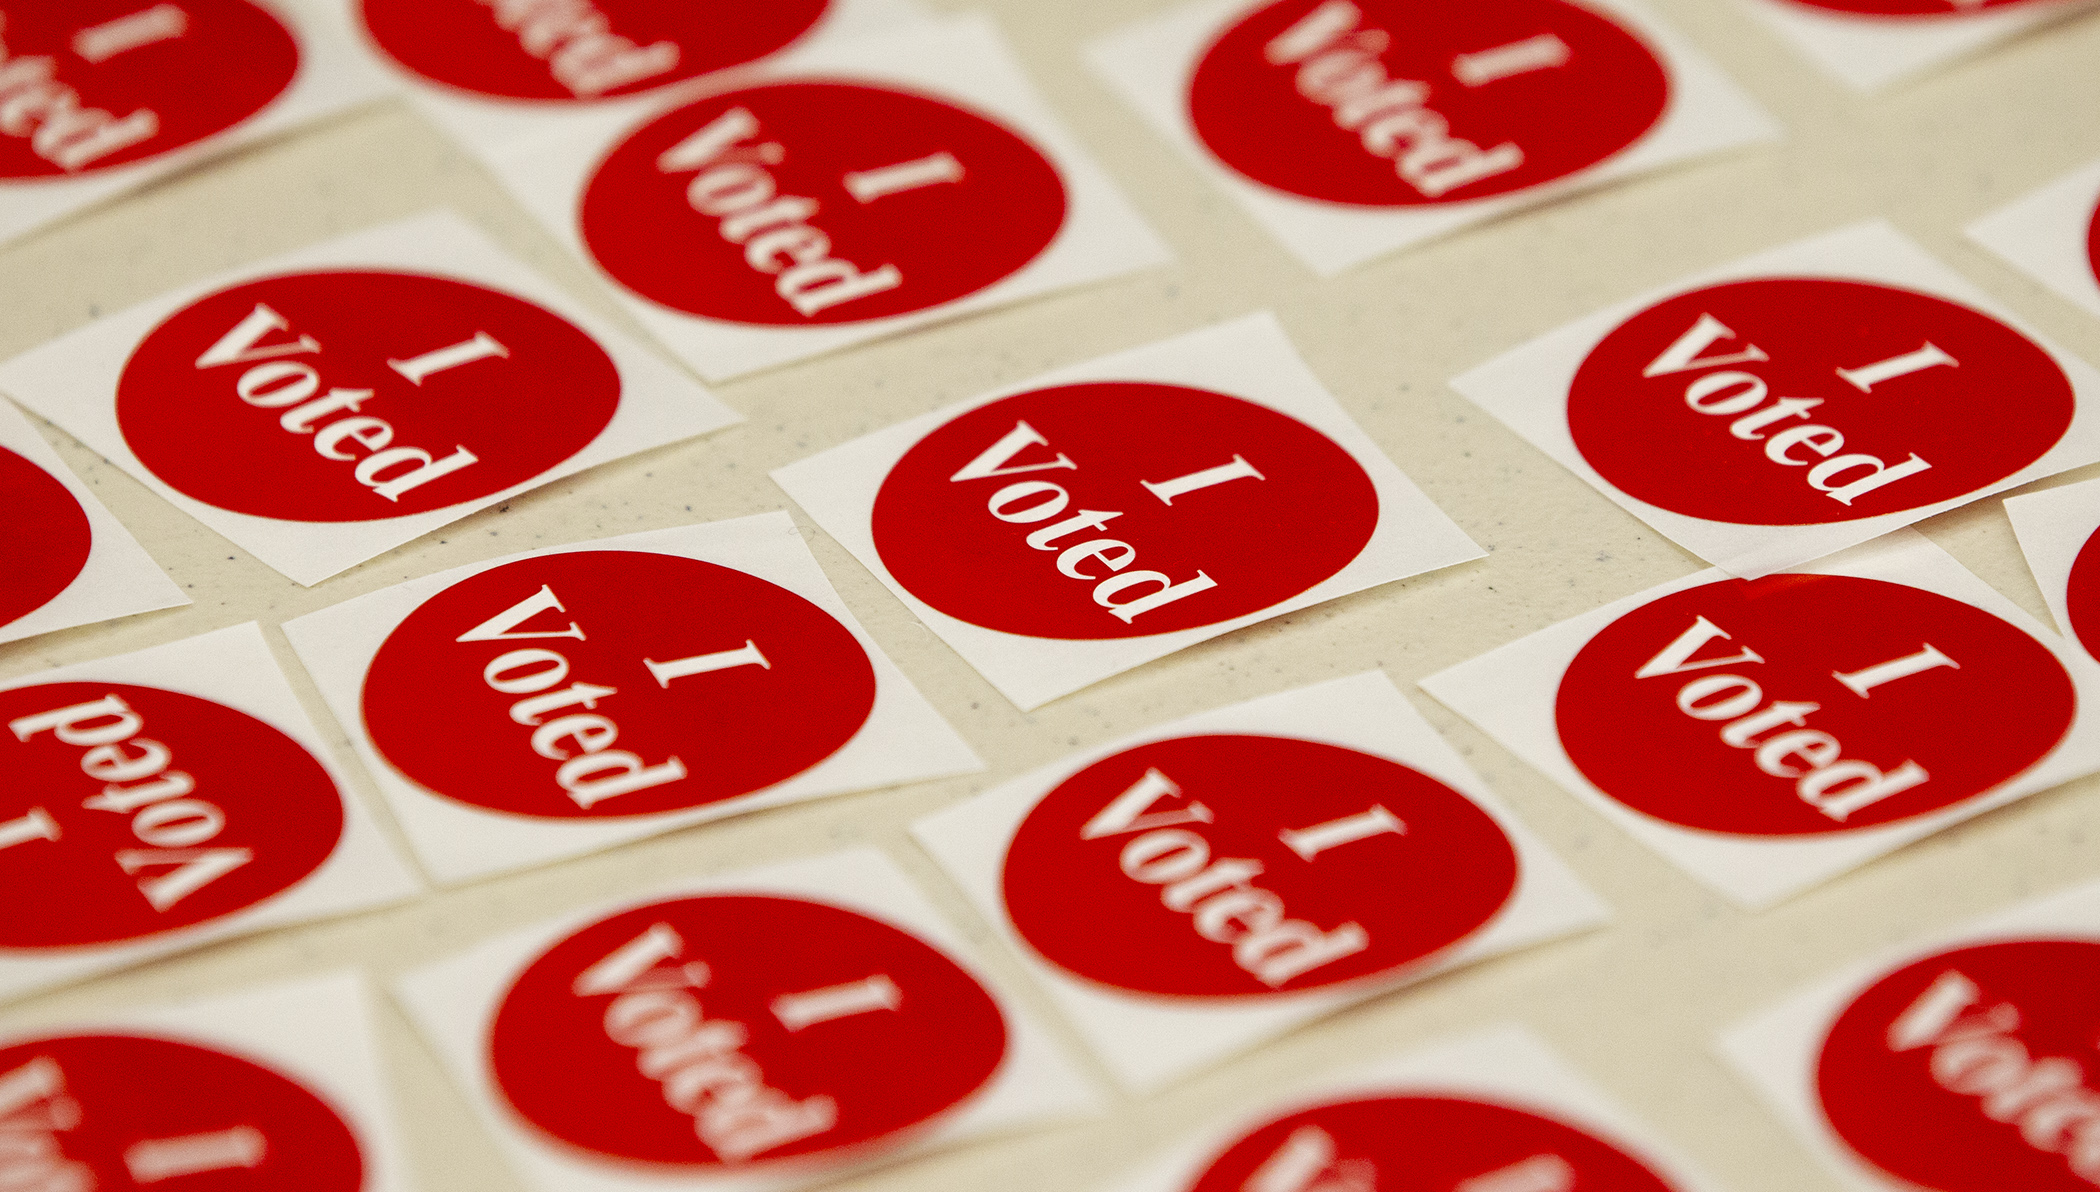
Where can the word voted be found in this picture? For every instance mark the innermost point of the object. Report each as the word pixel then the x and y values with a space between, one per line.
pixel 275 383
pixel 591 770
pixel 174 826
pixel 51 114
pixel 580 48
pixel 733 185
pixel 1338 67
pixel 1823 778
pixel 1026 502
pixel 698 1061
pixel 1308 1161
pixel 1975 1053
pixel 35 1110
pixel 1732 392
pixel 1222 904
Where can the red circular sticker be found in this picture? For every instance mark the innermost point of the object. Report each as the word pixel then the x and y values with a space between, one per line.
pixel 798 204
pixel 1119 510
pixel 2092 244
pixel 585 50
pixel 1803 401
pixel 49 539
pixel 727 1030
pixel 1235 866
pixel 613 683
pixel 96 84
pixel 2082 595
pixel 1972 1070
pixel 346 397
pixel 81 1112
pixel 1806 704
pixel 1409 103
pixel 1424 1143
pixel 1920 8
pixel 129 811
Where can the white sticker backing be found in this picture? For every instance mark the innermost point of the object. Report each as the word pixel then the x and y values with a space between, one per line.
pixel 328 405
pixel 1194 890
pixel 2057 529
pixel 552 703
pixel 1800 401
pixel 2053 236
pixel 1095 518
pixel 1869 44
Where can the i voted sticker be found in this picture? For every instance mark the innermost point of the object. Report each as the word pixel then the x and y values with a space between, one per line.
pixel 613 683
pixel 2052 235
pixel 80 1112
pixel 2059 532
pixel 1920 8
pixel 49 539
pixel 1872 43
pixel 1240 865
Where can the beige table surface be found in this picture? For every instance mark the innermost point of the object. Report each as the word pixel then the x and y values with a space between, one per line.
pixel 1634 1005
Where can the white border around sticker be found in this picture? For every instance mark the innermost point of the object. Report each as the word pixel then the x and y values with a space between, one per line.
pixel 2047 235
pixel 2052 527
pixel 1868 53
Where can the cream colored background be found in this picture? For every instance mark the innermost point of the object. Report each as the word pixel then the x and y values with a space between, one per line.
pixel 1634 1006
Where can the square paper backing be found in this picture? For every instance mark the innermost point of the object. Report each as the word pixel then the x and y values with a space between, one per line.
pixel 120 578
pixel 1776 1051
pixel 2046 235
pixel 73 382
pixel 1150 1041
pixel 232 667
pixel 1249 358
pixel 963 58
pixel 1510 694
pixel 2052 526
pixel 1151 64
pixel 454 1003
pixel 904 739
pixel 1867 53
pixel 1527 389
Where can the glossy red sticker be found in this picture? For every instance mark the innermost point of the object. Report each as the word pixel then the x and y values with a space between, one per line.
pixel 613 683
pixel 94 84
pixel 1116 510
pixel 127 812
pixel 580 50
pixel 359 396
pixel 48 537
pixel 812 203
pixel 721 1031
pixel 1808 704
pixel 1972 1070
pixel 1234 866
pixel 2092 244
pixel 1919 8
pixel 1407 103
pixel 2082 596
pixel 1804 401
pixel 85 1112
pixel 1423 1144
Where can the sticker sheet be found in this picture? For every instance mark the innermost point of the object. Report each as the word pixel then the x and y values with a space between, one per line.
pixel 847 192
pixel 1959 1066
pixel 1767 735
pixel 2053 236
pixel 2057 529
pixel 161 800
pixel 1869 44
pixel 277 1089
pixel 1800 401
pixel 66 560
pixel 1496 1111
pixel 1195 890
pixel 104 96
pixel 1242 491
pixel 474 381
pixel 1351 128
pixel 756 1032
pixel 548 704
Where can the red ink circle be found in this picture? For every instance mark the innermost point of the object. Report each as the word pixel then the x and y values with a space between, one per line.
pixel 434 713
pixel 686 235
pixel 462 43
pixel 1335 118
pixel 1260 539
pixel 49 538
pixel 2005 708
pixel 885 1069
pixel 1919 8
pixel 1926 1076
pixel 1410 893
pixel 2002 405
pixel 516 415
pixel 269 797
pixel 132 1112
